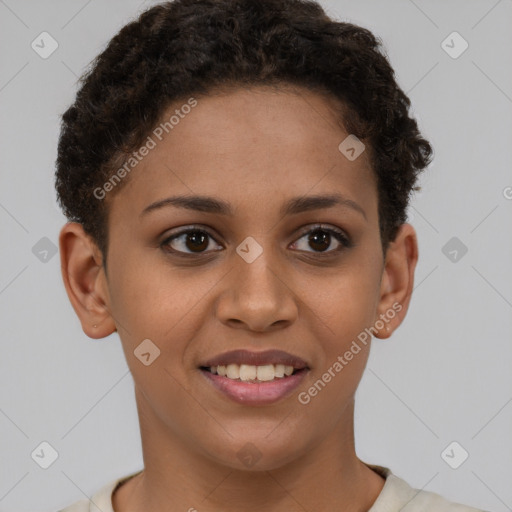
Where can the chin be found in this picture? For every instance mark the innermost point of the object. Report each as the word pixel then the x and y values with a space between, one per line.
pixel 253 453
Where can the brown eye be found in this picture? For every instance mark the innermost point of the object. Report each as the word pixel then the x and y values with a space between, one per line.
pixel 198 241
pixel 320 239
pixel 188 241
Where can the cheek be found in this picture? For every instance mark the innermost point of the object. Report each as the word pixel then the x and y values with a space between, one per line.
pixel 145 293
pixel 149 304
pixel 347 302
pixel 165 305
pixel 346 308
pixel 154 312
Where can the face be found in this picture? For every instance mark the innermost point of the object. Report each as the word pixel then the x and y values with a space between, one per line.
pixel 264 272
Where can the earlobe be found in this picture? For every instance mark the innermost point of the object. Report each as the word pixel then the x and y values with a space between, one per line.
pixel 397 281
pixel 85 281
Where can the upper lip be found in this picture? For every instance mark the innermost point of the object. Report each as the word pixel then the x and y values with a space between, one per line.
pixel 256 358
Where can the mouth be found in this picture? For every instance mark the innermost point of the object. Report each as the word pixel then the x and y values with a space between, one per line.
pixel 248 366
pixel 255 378
pixel 253 373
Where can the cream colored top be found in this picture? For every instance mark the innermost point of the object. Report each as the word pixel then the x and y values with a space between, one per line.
pixel 395 496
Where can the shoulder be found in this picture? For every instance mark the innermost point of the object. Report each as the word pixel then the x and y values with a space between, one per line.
pixel 101 501
pixel 79 506
pixel 398 495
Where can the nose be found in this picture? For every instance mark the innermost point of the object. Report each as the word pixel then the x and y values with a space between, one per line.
pixel 257 297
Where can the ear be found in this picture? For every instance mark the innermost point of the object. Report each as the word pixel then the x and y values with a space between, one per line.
pixel 397 281
pixel 85 281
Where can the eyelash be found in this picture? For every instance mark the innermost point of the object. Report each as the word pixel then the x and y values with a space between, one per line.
pixel 336 233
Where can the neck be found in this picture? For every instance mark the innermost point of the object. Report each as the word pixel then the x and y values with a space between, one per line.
pixel 177 477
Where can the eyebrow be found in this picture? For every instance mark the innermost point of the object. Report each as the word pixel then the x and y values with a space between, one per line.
pixel 291 207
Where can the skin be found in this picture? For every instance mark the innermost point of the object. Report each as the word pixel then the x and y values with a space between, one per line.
pixel 254 148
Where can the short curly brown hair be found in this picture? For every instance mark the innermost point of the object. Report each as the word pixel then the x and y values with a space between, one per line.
pixel 190 47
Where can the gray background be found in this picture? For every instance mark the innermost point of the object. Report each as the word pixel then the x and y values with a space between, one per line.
pixel 445 374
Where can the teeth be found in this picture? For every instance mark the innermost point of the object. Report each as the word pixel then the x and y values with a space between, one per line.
pixel 233 371
pixel 247 372
pixel 279 370
pixel 266 372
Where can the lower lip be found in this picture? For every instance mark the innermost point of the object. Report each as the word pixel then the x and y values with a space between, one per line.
pixel 256 393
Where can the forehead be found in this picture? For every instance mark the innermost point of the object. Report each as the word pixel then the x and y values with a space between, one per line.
pixel 248 146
